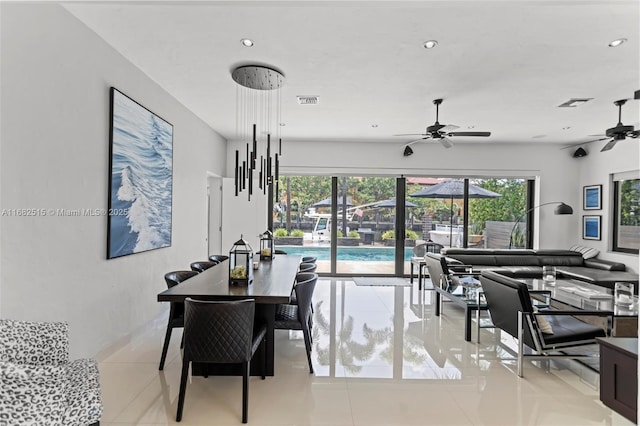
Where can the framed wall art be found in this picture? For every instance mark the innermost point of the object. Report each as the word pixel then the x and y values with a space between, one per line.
pixel 591 227
pixel 592 197
pixel 140 178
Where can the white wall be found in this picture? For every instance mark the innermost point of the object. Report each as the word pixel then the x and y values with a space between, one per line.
pixel 55 83
pixel 595 169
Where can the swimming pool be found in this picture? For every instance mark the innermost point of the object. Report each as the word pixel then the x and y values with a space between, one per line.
pixel 365 254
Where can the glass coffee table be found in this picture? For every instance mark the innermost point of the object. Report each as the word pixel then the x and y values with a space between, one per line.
pixel 568 294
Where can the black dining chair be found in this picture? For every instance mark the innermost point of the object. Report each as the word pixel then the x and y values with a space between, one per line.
pixel 176 310
pixel 309 259
pixel 202 266
pixel 221 332
pixel 277 251
pixel 298 317
pixel 307 267
pixel 218 258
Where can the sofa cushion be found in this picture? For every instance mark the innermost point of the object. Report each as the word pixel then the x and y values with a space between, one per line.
pixel 605 265
pixel 596 276
pixel 32 395
pixel 83 393
pixel 587 252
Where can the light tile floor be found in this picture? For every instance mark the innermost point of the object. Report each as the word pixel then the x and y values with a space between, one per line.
pixel 381 357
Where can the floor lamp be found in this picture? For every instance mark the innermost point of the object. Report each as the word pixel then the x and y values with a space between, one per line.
pixel 561 209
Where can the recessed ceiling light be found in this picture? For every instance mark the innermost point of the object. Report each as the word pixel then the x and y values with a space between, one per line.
pixel 247 42
pixel 618 42
pixel 374 125
pixel 566 127
pixel 471 127
pixel 282 124
pixel 430 44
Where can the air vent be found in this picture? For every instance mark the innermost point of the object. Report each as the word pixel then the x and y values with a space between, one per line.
pixel 308 100
pixel 574 102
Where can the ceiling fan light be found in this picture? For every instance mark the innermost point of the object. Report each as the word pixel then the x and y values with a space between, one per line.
pixel 617 42
pixel 430 44
pixel 246 42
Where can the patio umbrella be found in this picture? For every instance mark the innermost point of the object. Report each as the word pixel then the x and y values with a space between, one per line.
pixel 453 188
pixel 327 202
pixel 391 203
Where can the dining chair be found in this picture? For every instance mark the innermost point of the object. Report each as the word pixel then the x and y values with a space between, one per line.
pixel 277 251
pixel 309 259
pixel 218 258
pixel 202 266
pixel 307 267
pixel 176 310
pixel 298 317
pixel 221 332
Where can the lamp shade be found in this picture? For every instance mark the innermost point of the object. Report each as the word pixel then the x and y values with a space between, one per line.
pixel 563 209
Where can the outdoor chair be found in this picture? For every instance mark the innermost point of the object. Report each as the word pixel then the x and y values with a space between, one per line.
pixel 546 332
pixel 298 317
pixel 176 310
pixel 221 333
pixel 203 265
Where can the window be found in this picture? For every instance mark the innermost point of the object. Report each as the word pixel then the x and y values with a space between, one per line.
pixel 626 212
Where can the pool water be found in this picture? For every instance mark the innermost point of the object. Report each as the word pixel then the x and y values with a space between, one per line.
pixel 365 254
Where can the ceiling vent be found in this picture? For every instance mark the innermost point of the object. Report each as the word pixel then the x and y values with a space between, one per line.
pixel 308 100
pixel 574 102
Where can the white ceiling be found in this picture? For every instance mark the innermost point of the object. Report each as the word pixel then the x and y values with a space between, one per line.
pixel 501 66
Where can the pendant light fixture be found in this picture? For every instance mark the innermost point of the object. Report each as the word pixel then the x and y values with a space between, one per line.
pixel 258 119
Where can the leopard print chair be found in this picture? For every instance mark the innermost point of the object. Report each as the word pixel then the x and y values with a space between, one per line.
pixel 38 383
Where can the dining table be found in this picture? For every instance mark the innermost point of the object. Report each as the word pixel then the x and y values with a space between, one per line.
pixel 273 283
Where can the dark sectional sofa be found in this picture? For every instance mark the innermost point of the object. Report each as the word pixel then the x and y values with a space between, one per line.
pixel 527 263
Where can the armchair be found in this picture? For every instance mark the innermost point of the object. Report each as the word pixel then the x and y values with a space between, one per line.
pixel 509 303
pixel 38 383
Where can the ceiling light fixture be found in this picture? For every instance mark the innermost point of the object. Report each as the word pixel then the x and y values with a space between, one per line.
pixel 246 42
pixel 258 106
pixel 374 125
pixel 407 151
pixel 430 44
pixel 617 42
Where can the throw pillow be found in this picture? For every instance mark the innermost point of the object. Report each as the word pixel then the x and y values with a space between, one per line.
pixel 587 252
pixel 543 323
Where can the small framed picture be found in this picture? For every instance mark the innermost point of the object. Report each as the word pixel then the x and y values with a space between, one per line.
pixel 591 227
pixel 592 197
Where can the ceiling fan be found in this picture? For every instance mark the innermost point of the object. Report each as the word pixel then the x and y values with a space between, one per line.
pixel 618 133
pixel 440 132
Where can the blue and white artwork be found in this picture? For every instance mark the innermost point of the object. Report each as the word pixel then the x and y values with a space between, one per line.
pixel 592 197
pixel 591 227
pixel 141 179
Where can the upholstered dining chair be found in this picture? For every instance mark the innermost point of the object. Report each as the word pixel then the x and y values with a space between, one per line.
pixel 307 267
pixel 202 266
pixel 176 310
pixel 221 332
pixel 218 258
pixel 309 259
pixel 298 317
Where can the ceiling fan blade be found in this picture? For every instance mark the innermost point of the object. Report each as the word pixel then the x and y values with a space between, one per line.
pixel 412 134
pixel 446 142
pixel 609 145
pixel 485 134
pixel 584 143
pixel 634 134
pixel 415 140
pixel 448 128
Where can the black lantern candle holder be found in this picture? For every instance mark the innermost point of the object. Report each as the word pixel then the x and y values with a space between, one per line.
pixel 266 245
pixel 241 263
